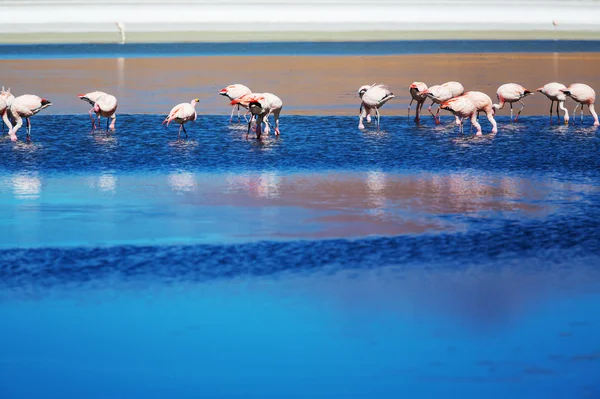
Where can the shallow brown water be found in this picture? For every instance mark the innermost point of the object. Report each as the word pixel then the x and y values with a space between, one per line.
pixel 307 84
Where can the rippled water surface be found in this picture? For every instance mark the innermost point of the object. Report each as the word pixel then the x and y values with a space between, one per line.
pixel 327 262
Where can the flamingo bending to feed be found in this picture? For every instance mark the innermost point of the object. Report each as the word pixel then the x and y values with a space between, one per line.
pixel 103 104
pixel 463 107
pixel 6 99
pixel 511 93
pixel 25 106
pixel 181 114
pixel 372 98
pixel 261 106
pixel 583 95
pixel 416 92
pixel 554 92
pixel 438 95
pixel 233 92
pixel 91 98
pixel 483 103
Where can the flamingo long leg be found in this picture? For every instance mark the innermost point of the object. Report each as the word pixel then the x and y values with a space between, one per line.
pixel 557 114
pixel 582 114
pixel 377 112
pixel 437 117
pixel 232 111
pixel 93 118
pixel 29 129
pixel 179 132
pixel 551 104
pixel 519 113
pixel 409 105
pixel 432 114
pixel 238 113
pixel 511 112
pixel 575 112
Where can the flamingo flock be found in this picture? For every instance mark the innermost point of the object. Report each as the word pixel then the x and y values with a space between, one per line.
pixel 449 96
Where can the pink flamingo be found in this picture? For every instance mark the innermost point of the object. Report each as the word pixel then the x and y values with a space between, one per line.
pixel 372 98
pixel 455 88
pixel 554 92
pixel 361 90
pixel 416 92
pixel 181 114
pixel 463 107
pixel 6 99
pixel 583 95
pixel 91 98
pixel 511 93
pixel 25 106
pixel 438 95
pixel 103 104
pixel 234 92
pixel 261 106
pixel 483 103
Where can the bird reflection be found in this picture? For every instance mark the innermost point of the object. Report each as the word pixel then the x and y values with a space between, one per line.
pixel 376 183
pixel 265 185
pixel 107 183
pixel 184 181
pixel 26 187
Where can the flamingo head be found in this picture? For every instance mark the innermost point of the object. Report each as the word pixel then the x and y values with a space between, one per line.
pixel 447 106
pixel 195 101
pixel 363 89
pixel 255 108
pixel 45 102
pixel 566 91
pixel 223 91
pixel 540 89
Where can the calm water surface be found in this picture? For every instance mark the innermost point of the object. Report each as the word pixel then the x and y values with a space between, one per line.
pixel 328 262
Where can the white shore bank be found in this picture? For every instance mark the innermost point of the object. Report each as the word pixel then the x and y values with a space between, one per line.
pixel 150 20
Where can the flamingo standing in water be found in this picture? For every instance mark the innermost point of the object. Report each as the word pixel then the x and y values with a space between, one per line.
pixel 233 92
pixel 462 107
pixel 6 99
pixel 511 93
pixel 103 104
pixel 372 98
pixel 261 106
pixel 554 92
pixel 181 114
pixel 438 95
pixel 583 95
pixel 416 92
pixel 25 106
pixel 483 103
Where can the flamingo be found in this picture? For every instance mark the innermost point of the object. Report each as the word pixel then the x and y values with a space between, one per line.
pixel 438 95
pixel 463 107
pixel 91 98
pixel 584 95
pixel 483 103
pixel 511 93
pixel 234 92
pixel 455 88
pixel 554 92
pixel 261 105
pixel 6 99
pixel 25 106
pixel 103 104
pixel 361 91
pixel 181 114
pixel 372 98
pixel 416 92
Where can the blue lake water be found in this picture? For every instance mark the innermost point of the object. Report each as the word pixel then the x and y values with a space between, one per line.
pixel 389 47
pixel 327 262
